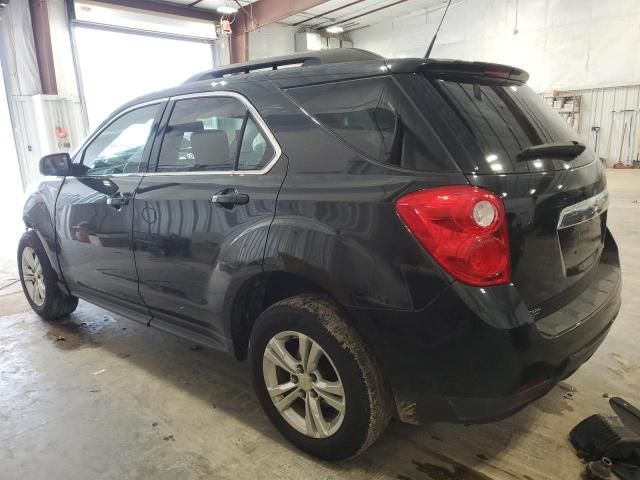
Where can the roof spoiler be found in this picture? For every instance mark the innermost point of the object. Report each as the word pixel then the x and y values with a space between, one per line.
pixel 458 68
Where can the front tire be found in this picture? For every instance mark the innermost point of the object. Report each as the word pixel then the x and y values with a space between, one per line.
pixel 40 282
pixel 316 380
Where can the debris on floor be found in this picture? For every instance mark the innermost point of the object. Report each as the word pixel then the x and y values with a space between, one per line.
pixel 610 442
pixel 628 414
pixel 599 470
pixel 568 387
pixel 456 472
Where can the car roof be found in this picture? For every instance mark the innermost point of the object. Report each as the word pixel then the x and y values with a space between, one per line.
pixel 303 59
pixel 334 64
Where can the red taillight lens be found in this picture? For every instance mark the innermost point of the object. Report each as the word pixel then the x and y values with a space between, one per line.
pixel 464 229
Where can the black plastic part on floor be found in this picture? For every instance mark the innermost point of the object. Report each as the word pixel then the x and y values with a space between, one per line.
pixel 628 414
pixel 626 471
pixel 599 436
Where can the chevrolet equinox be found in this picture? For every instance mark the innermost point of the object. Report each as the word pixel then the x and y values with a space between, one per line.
pixel 411 238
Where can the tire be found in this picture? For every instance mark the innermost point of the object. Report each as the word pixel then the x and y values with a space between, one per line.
pixel 338 414
pixel 49 302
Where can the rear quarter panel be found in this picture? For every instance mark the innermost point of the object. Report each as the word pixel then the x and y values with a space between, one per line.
pixel 336 224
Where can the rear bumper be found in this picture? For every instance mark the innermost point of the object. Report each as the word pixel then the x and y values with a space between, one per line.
pixel 419 408
pixel 452 362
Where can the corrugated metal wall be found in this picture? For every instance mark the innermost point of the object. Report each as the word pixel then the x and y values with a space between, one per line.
pixel 616 111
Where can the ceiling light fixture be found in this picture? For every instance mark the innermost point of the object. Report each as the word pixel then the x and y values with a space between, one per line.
pixel 226 9
pixel 335 29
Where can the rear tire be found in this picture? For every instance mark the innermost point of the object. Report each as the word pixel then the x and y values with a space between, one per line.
pixel 40 282
pixel 332 399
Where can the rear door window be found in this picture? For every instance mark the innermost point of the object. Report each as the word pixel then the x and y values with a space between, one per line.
pixel 213 134
pixel 375 117
pixel 255 150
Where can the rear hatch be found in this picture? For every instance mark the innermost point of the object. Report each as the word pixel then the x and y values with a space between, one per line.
pixel 510 142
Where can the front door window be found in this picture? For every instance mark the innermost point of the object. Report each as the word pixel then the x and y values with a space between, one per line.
pixel 119 148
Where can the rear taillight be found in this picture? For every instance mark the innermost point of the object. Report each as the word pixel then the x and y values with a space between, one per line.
pixel 464 229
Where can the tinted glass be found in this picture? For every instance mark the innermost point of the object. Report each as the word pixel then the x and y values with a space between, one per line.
pixel 504 120
pixel 202 135
pixel 119 148
pixel 374 117
pixel 255 151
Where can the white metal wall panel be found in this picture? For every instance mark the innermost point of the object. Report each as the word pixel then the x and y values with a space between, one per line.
pixel 616 111
pixel 563 44
pixel 10 186
pixel 17 50
pixel 36 119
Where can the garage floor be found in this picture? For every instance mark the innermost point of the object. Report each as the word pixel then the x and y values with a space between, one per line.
pixel 101 397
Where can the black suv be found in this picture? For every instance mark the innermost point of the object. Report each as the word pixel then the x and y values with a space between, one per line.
pixel 416 238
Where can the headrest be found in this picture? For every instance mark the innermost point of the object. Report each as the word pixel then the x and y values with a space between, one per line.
pixel 210 147
pixel 186 127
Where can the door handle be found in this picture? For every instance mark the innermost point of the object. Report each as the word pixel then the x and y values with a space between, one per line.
pixel 230 197
pixel 118 201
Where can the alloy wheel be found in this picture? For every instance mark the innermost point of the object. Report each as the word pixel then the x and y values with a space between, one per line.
pixel 33 276
pixel 304 384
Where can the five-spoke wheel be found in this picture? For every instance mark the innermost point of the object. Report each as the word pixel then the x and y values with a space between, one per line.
pixel 33 276
pixel 304 384
pixel 39 280
pixel 316 379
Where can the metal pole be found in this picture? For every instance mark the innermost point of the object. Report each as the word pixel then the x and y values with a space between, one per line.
pixel 42 41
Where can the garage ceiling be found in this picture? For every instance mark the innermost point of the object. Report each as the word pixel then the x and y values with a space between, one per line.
pixel 354 14
pixel 208 4
pixel 349 14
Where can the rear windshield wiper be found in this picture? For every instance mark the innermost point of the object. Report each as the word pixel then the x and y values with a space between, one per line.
pixel 560 149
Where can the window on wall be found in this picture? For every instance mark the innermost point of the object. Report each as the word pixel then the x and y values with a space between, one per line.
pixel 119 148
pixel 212 134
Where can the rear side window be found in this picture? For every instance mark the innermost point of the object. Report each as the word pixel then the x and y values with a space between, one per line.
pixel 374 117
pixel 504 119
pixel 255 150
pixel 213 134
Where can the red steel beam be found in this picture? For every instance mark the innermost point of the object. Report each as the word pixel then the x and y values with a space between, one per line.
pixel 259 14
pixel 239 47
pixel 264 12
pixel 42 41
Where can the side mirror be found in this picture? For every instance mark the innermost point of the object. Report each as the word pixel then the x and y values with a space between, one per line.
pixel 56 165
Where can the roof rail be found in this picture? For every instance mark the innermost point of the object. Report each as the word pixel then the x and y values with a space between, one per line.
pixel 305 59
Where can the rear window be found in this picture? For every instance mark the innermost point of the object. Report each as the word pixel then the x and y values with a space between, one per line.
pixel 375 117
pixel 505 119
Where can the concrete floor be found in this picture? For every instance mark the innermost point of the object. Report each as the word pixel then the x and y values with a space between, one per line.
pixel 101 397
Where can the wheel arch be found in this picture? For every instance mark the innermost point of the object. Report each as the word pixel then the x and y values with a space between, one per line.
pixel 260 292
pixel 38 216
